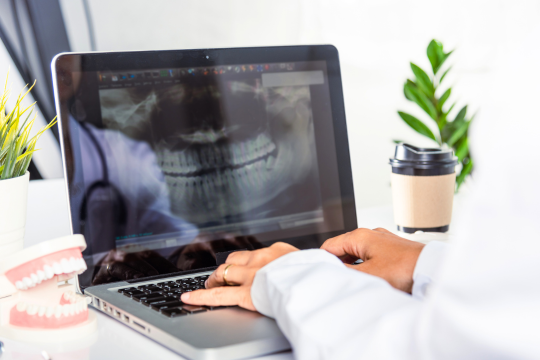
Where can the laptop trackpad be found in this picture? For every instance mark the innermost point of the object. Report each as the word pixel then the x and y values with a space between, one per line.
pixel 225 327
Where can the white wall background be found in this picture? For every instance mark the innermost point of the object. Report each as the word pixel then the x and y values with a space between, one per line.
pixel 376 40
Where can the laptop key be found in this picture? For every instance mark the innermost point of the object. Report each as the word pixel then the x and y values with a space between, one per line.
pixel 168 304
pixel 144 287
pixel 152 288
pixel 158 300
pixel 173 312
pixel 133 292
pixel 121 291
pixel 193 309
pixel 141 297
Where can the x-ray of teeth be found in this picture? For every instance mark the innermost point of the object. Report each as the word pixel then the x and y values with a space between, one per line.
pixel 230 150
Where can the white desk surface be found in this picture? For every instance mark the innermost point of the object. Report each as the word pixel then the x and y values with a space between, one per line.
pixel 47 219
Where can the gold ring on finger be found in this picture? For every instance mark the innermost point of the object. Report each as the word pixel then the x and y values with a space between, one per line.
pixel 225 275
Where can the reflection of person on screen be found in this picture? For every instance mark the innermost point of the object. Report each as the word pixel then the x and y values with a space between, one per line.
pixel 128 198
pixel 117 188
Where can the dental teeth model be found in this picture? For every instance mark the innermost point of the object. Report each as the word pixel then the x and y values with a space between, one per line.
pixel 37 303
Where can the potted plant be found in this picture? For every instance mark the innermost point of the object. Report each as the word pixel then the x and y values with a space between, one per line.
pixel 427 93
pixel 16 149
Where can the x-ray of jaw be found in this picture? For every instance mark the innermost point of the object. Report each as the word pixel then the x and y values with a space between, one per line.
pixel 230 150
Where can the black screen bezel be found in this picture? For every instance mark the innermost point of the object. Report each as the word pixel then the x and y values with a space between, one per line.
pixel 134 60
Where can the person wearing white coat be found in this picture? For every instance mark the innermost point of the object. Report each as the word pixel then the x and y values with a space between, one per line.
pixel 477 298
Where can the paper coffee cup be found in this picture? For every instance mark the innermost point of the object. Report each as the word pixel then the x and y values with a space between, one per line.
pixel 423 183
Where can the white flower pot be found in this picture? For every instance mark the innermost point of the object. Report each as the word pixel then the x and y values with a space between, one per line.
pixel 13 200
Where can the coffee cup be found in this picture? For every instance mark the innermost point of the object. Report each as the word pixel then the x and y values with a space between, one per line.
pixel 423 184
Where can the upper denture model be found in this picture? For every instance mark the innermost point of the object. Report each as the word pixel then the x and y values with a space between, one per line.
pixel 36 297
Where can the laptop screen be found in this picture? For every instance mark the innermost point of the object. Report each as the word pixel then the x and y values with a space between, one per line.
pixel 168 167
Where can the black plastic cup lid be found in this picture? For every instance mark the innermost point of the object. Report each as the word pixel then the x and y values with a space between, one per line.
pixel 408 156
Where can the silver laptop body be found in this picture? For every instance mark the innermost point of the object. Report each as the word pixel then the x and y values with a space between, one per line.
pixel 174 159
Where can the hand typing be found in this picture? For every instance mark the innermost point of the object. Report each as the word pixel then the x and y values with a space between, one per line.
pixel 242 267
pixel 385 255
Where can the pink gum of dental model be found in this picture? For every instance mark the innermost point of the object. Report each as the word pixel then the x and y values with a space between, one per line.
pixel 39 264
pixel 35 321
pixel 32 277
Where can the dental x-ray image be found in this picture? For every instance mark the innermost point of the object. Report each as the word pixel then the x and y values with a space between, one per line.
pixel 230 149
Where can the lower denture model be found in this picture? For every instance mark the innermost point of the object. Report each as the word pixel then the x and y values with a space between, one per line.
pixel 37 303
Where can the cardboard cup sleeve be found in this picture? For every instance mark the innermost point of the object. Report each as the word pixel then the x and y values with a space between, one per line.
pixel 423 183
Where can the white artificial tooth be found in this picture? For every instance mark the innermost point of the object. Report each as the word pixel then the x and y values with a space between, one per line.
pixel 50 311
pixel 21 306
pixel 19 285
pixel 87 300
pixel 42 310
pixel 85 306
pixel 71 309
pixel 34 278
pixel 74 264
pixel 32 309
pixel 65 310
pixel 57 311
pixel 57 268
pixel 66 295
pixel 82 264
pixel 49 272
pixel 77 307
pixel 28 282
pixel 41 275
pixel 66 268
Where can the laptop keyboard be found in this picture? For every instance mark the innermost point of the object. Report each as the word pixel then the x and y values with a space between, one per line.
pixel 164 297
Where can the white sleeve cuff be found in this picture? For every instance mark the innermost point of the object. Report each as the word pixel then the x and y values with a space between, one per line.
pixel 427 267
pixel 259 289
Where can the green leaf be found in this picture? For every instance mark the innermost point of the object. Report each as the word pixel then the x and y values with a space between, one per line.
pixel 421 99
pixel 451 127
pixel 397 141
pixel 444 75
pixel 460 116
pixel 433 54
pixel 423 81
pixel 443 99
pixel 436 55
pixel 458 133
pixel 406 89
pixel 464 172
pixel 417 125
pixel 462 149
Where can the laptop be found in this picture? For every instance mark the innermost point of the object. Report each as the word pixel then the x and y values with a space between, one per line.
pixel 174 159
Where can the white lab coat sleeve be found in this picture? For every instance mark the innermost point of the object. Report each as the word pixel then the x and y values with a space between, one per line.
pixel 328 311
pixel 427 267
